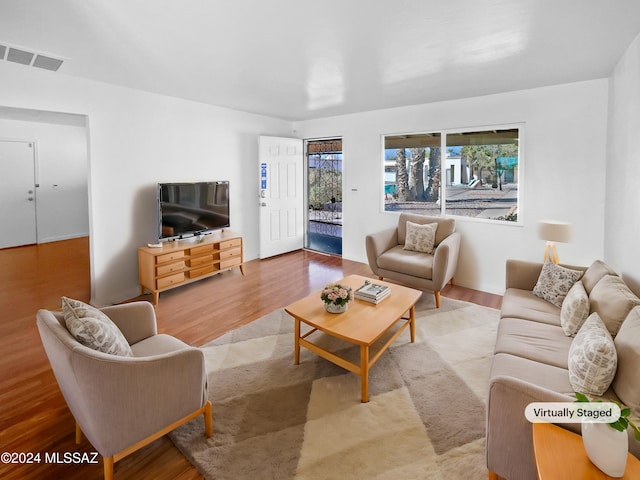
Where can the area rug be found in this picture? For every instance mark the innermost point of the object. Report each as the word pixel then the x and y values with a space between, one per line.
pixel 276 420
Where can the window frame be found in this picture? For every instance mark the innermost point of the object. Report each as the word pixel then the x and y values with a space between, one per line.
pixel 444 132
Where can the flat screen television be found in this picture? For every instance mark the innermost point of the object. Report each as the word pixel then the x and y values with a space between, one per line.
pixel 192 208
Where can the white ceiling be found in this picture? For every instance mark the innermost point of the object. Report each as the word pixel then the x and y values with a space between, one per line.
pixel 301 59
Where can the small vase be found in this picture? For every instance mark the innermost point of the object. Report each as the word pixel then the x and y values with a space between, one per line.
pixel 606 447
pixel 333 308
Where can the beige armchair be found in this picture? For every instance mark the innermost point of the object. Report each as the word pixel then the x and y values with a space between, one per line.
pixel 123 403
pixel 389 259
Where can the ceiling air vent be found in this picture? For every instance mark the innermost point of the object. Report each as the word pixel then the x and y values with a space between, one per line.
pixel 25 57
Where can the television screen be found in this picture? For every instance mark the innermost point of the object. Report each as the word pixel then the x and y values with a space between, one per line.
pixel 192 208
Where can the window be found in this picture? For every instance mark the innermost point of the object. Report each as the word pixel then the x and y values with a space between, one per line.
pixel 477 175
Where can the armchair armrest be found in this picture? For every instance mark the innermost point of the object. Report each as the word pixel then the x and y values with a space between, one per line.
pixel 136 320
pixel 445 260
pixel 378 243
pixel 128 399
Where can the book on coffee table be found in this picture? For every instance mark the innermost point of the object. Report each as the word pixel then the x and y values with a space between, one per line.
pixel 372 292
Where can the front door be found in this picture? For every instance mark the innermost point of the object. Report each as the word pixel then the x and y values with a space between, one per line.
pixel 281 195
pixel 17 194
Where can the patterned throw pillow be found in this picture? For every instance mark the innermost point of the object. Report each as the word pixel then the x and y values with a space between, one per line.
pixel 575 309
pixel 420 238
pixel 555 282
pixel 94 329
pixel 592 358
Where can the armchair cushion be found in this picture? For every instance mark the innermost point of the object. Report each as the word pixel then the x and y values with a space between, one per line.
pixel 421 238
pixel 397 259
pixel 94 329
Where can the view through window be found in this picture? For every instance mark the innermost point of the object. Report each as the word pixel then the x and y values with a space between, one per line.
pixel 476 173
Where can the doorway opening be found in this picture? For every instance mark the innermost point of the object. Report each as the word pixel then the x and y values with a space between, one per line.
pixel 324 196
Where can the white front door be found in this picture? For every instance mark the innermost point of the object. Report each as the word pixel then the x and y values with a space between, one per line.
pixel 281 195
pixel 17 194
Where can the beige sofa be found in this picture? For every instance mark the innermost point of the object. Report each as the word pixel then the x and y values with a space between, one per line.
pixel 530 363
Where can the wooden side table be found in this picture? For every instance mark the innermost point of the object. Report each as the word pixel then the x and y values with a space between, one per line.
pixel 560 455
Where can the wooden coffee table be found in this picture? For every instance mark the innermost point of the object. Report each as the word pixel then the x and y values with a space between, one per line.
pixel 362 324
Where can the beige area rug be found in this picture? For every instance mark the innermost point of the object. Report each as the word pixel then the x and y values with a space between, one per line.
pixel 275 420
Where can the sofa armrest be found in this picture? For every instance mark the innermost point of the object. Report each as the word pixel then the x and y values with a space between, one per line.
pixel 125 400
pixel 445 260
pixel 521 274
pixel 378 243
pixel 509 446
pixel 136 320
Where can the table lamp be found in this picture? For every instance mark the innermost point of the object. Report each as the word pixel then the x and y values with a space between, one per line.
pixel 552 232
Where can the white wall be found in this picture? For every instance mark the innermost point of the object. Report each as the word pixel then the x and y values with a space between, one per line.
pixel 62 202
pixel 137 139
pixel 563 143
pixel 622 224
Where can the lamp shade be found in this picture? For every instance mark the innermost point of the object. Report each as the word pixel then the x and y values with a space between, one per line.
pixel 552 231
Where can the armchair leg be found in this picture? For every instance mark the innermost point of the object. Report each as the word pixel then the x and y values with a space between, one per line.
pixel 379 277
pixel 78 434
pixel 437 294
pixel 208 422
pixel 108 468
pixel 452 281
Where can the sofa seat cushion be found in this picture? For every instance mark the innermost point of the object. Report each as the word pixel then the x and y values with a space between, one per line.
pixel 533 340
pixel 157 345
pixel 397 259
pixel 612 300
pixel 540 374
pixel 626 383
pixel 524 304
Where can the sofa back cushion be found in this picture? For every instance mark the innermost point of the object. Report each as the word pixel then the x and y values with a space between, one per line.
pixel 446 226
pixel 594 273
pixel 612 300
pixel 626 383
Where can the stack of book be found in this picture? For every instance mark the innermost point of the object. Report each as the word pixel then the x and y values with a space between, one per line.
pixel 371 292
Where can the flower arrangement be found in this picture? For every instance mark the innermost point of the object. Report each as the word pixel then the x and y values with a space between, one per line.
pixel 336 294
pixel 622 423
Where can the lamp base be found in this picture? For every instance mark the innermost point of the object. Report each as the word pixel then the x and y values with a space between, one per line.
pixel 550 253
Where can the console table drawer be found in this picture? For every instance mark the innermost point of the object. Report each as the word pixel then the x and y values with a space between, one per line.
pixel 169 268
pixel 205 259
pixel 201 249
pixel 234 242
pixel 231 262
pixel 225 254
pixel 198 272
pixel 170 280
pixel 170 257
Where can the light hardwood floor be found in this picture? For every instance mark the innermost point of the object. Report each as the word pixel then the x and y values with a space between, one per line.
pixel 33 415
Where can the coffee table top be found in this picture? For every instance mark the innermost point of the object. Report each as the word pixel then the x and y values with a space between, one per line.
pixel 363 322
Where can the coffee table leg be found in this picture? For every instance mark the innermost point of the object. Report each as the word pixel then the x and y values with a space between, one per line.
pixel 296 350
pixel 364 372
pixel 412 323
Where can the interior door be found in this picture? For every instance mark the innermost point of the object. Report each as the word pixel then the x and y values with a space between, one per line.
pixel 281 195
pixel 17 194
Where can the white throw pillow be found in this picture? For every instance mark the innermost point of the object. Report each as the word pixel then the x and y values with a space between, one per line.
pixel 592 358
pixel 94 329
pixel 420 238
pixel 575 309
pixel 555 282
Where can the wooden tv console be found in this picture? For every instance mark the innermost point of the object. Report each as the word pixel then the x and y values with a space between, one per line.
pixel 186 261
